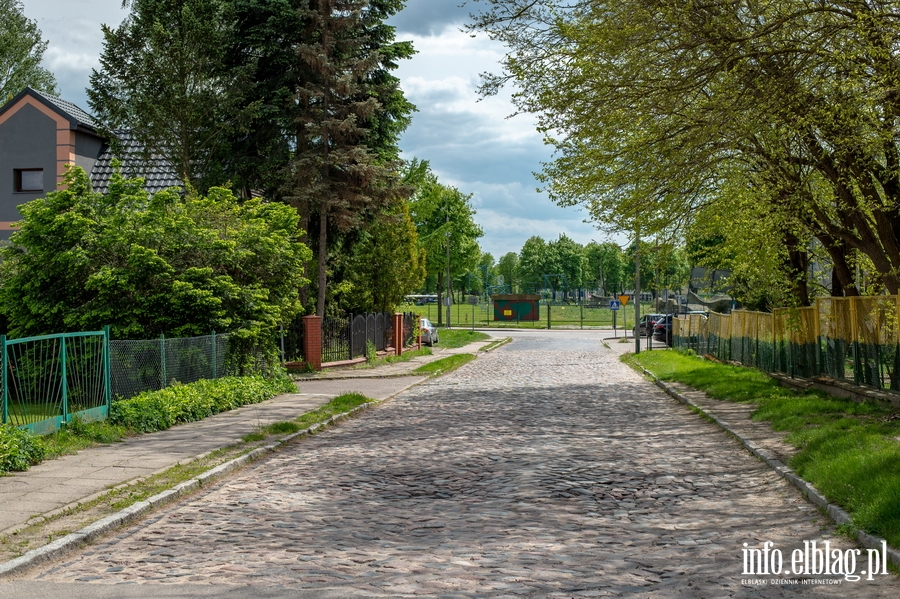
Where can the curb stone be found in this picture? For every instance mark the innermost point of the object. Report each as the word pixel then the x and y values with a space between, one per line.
pixel 133 512
pixel 835 512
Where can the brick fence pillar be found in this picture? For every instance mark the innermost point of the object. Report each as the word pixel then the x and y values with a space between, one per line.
pixel 312 341
pixel 398 333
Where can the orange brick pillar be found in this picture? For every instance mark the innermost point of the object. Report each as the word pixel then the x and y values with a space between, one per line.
pixel 312 341
pixel 398 333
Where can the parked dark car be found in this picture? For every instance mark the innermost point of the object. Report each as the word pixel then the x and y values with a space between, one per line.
pixel 645 326
pixel 662 330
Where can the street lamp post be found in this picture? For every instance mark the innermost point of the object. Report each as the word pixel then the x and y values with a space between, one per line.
pixel 637 291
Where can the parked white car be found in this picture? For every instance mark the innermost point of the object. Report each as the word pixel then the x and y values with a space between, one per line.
pixel 429 332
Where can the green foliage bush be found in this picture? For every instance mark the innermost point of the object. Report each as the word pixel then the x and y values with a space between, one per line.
pixel 150 265
pixel 158 410
pixel 19 449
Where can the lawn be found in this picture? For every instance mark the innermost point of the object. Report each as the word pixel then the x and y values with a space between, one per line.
pixel 850 451
pixel 563 316
pixel 445 365
pixel 452 338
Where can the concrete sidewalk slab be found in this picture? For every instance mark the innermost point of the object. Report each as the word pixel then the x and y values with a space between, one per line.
pixel 56 484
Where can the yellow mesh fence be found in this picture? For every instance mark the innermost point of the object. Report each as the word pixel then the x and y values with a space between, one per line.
pixel 855 339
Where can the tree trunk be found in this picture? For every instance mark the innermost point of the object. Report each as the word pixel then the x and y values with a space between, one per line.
pixel 440 294
pixel 303 209
pixel 323 255
pixel 840 272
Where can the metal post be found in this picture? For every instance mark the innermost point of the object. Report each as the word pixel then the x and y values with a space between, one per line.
pixel 107 369
pixel 448 275
pixel 162 361
pixel 215 362
pixel 65 382
pixel 637 290
pixel 548 315
pixel 582 313
pixel 3 359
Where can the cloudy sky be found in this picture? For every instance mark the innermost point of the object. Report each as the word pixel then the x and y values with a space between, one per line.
pixel 470 144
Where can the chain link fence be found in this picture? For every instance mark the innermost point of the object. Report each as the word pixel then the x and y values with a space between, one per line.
pixel 153 364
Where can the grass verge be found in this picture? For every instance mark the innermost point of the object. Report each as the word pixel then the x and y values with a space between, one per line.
pixel 338 405
pixel 496 343
pixel 45 530
pixel 444 365
pixel 453 338
pixel 850 451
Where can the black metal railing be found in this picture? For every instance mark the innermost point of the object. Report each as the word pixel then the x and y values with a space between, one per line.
pixel 291 341
pixel 335 339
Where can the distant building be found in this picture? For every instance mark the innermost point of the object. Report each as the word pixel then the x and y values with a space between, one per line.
pixel 41 134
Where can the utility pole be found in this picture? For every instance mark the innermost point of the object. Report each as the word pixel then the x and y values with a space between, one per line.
pixel 637 290
pixel 448 275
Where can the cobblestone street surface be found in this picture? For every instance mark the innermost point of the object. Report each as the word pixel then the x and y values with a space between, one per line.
pixel 546 468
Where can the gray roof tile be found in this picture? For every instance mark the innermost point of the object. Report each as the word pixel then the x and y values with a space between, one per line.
pixel 157 173
pixel 71 109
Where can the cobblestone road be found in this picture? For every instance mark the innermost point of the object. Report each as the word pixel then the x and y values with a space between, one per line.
pixel 546 468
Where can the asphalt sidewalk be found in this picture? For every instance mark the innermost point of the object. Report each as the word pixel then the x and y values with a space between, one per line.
pixel 57 485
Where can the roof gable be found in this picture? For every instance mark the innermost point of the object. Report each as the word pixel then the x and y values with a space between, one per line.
pixel 77 117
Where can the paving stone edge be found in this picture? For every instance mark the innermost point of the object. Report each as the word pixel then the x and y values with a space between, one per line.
pixel 834 511
pixel 105 525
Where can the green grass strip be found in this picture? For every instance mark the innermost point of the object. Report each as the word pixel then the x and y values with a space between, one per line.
pixel 850 451
pixel 453 338
pixel 444 365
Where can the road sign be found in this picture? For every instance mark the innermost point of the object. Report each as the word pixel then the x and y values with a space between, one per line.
pixel 624 299
pixel 614 304
pixel 473 299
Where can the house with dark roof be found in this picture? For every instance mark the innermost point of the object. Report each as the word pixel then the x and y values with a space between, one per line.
pixel 41 134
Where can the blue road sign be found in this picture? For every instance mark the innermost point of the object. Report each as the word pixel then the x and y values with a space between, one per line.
pixel 615 304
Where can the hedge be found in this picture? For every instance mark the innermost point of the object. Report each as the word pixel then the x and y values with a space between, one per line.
pixel 158 410
pixel 19 449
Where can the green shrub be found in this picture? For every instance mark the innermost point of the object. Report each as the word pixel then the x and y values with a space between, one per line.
pixel 19 449
pixel 158 410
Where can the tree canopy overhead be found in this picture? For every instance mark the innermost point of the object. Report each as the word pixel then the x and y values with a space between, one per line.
pixel 663 110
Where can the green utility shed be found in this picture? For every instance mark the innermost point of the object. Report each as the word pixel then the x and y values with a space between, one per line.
pixel 517 307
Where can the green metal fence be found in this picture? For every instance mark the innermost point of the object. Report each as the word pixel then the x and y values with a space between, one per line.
pixel 855 339
pixel 153 364
pixel 49 379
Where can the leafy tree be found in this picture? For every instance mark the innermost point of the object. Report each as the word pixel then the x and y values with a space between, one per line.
pixel 568 259
pixel 21 50
pixel 792 99
pixel 486 269
pixel 334 171
pixel 605 266
pixel 387 263
pixel 534 261
pixel 148 265
pixel 508 267
pixel 162 76
pixel 443 215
